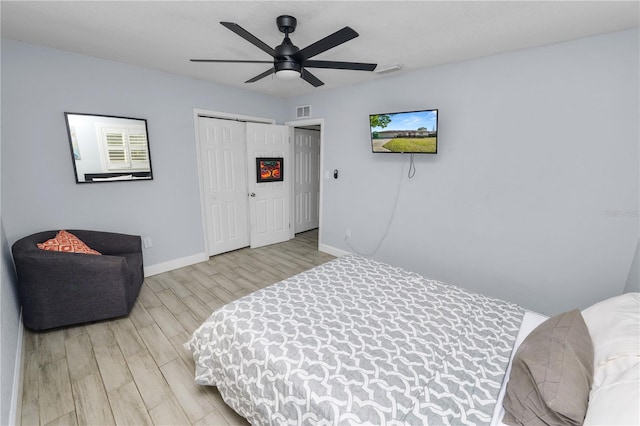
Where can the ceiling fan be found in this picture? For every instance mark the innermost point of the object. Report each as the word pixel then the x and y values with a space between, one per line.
pixel 289 61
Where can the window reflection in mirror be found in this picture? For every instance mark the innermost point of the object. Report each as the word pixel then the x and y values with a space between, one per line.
pixel 108 148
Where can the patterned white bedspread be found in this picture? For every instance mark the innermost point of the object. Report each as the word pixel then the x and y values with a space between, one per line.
pixel 356 341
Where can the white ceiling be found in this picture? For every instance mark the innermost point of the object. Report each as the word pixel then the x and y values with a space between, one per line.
pixel 164 35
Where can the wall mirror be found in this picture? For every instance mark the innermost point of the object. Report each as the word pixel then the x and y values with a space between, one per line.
pixel 106 148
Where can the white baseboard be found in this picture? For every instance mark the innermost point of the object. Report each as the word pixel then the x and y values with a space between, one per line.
pixel 16 393
pixel 159 268
pixel 332 250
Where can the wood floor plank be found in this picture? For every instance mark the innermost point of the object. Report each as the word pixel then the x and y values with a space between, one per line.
pixel 30 340
pixel 202 278
pixel 169 413
pixel 221 292
pixel 230 416
pixel 158 344
pixel 155 284
pixel 127 406
pixel 101 334
pixel 30 380
pixel 30 413
pixel 127 337
pixel 113 367
pixel 198 290
pixel 213 418
pixel 215 304
pixel 198 308
pixel 150 382
pixel 205 267
pixel 80 358
pixel 55 396
pixel 194 399
pixel 140 317
pixel 171 301
pixel 73 330
pixel 51 346
pixel 189 321
pixel 92 404
pixel 167 322
pixel 147 297
pixel 68 419
pixel 178 342
pixel 180 275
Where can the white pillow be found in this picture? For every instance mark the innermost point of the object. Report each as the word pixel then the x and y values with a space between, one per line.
pixel 615 400
pixel 614 325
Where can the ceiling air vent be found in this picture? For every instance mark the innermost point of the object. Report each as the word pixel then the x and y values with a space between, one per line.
pixel 303 111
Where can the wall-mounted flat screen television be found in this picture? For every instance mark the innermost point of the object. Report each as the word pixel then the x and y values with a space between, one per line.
pixel 409 132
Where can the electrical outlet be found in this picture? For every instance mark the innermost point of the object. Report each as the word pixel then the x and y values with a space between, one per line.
pixel 348 233
pixel 146 241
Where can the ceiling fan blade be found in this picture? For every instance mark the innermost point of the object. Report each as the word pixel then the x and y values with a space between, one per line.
pixel 249 37
pixel 310 78
pixel 231 61
pixel 261 76
pixel 330 41
pixel 357 66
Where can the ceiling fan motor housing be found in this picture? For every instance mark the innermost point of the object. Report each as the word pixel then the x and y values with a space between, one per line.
pixel 286 64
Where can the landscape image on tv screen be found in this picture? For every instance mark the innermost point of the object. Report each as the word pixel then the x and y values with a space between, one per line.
pixel 414 132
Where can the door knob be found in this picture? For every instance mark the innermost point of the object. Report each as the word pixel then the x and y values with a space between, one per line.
pixel 253 194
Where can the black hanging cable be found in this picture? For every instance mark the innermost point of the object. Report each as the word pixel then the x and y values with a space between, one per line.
pixel 412 168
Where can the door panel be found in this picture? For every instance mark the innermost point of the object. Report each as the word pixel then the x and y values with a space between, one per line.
pixel 224 177
pixel 269 201
pixel 307 179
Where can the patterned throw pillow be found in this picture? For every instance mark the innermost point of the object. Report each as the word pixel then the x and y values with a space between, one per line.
pixel 66 242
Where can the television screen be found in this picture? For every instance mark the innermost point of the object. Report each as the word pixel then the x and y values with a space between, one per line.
pixel 413 132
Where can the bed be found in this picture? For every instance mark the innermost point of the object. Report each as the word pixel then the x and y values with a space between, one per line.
pixel 356 341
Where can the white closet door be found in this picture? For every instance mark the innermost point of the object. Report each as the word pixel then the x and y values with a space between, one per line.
pixel 223 163
pixel 268 201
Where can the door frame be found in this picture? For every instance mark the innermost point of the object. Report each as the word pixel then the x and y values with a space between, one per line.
pixel 303 123
pixel 197 114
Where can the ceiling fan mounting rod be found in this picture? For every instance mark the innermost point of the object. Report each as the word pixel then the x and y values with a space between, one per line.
pixel 286 24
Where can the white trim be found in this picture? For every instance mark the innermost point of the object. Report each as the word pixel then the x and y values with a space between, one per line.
pixel 159 268
pixel 302 123
pixel 231 116
pixel 197 113
pixel 332 250
pixel 15 412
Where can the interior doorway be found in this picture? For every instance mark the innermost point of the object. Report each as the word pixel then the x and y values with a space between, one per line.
pixel 307 148
pixel 306 181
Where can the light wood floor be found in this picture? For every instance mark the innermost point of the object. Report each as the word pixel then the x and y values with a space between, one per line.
pixel 135 370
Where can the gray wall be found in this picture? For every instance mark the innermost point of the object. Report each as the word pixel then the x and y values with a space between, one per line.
pixel 38 186
pixel 533 195
pixel 633 279
pixel 9 329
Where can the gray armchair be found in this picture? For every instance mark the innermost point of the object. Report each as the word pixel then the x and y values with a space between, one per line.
pixel 58 289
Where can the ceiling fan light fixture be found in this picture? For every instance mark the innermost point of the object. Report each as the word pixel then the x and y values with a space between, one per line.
pixel 287 74
pixel 288 70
